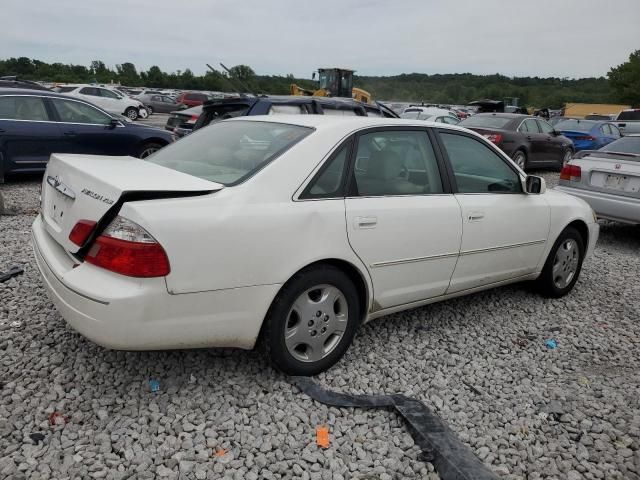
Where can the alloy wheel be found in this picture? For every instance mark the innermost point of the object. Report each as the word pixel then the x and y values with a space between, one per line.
pixel 520 160
pixel 148 151
pixel 316 323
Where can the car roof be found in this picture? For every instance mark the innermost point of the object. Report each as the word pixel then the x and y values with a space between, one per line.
pixel 512 116
pixel 27 91
pixel 348 123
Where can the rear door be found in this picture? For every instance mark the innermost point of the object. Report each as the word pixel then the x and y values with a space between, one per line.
pixel 402 220
pixel 28 134
pixel 88 130
pixel 110 101
pixel 504 229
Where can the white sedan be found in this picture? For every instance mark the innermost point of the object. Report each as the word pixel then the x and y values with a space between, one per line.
pixel 294 231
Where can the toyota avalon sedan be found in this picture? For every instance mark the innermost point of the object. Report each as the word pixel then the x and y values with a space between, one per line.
pixel 293 231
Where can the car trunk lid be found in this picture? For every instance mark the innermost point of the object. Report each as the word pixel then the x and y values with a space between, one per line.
pixel 80 187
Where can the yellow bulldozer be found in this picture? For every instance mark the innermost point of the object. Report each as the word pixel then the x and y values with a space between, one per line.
pixel 334 82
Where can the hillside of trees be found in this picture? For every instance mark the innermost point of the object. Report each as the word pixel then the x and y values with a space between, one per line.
pixel 448 88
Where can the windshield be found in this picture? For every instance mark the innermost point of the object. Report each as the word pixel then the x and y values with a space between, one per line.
pixel 576 125
pixel 230 152
pixel 489 121
pixel 623 145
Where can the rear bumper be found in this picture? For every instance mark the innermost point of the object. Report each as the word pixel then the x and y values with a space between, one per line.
pixel 608 206
pixel 128 313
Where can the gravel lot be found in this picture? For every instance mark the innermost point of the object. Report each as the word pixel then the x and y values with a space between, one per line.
pixel 480 362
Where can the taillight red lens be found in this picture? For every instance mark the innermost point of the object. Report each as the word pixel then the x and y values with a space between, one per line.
pixel 133 259
pixel 494 138
pixel 81 231
pixel 128 249
pixel 572 173
pixel 586 137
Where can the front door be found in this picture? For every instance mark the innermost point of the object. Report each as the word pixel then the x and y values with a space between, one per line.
pixel 402 220
pixel 536 139
pixel 504 229
pixel 89 130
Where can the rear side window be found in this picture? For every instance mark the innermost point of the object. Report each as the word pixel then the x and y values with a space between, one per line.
pixel 488 121
pixel 328 183
pixel 23 108
pixel 286 110
pixel 230 152
pixel 629 115
pixel 477 168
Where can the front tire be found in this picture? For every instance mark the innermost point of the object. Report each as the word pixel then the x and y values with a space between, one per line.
pixel 149 109
pixel 563 265
pixel 148 149
pixel 520 159
pixel 131 113
pixel 312 321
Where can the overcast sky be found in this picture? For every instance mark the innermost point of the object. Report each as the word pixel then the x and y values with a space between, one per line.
pixel 564 38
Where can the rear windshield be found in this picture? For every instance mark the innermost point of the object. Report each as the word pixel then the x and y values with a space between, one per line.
pixel 576 125
pixel 624 145
pixel 629 115
pixel 489 121
pixel 411 114
pixel 230 152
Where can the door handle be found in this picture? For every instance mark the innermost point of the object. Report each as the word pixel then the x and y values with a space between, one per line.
pixel 365 222
pixel 475 216
pixel 528 137
pixel 2 130
pixel 70 133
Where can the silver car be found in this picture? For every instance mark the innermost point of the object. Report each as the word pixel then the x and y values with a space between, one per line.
pixel 607 179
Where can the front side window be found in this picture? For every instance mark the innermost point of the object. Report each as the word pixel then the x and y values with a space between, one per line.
pixel 396 162
pixel 614 131
pixel 477 168
pixel 23 108
pixel 78 112
pixel 545 127
pixel 229 152
pixel 90 91
pixel 108 94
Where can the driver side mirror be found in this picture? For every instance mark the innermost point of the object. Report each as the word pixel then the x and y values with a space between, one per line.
pixel 535 185
pixel 113 123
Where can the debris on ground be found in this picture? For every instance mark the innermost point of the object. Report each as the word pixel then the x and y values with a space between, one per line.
pixel 12 272
pixel 36 438
pixel 322 436
pixel 154 385
pixel 57 418
pixel 551 344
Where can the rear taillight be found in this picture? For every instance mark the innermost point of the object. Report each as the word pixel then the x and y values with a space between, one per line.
pixel 586 137
pixel 572 173
pixel 494 138
pixel 128 249
pixel 193 119
pixel 81 231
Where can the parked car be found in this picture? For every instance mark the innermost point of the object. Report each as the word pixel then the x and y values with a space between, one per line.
pixel 159 103
pixel 181 122
pixel 341 220
pixel 34 124
pixel 588 134
pixel 15 82
pixel 105 98
pixel 215 110
pixel 430 115
pixel 192 99
pixel 530 141
pixel 608 179
pixel 628 121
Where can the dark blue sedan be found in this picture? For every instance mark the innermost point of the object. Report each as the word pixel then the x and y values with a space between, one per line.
pixel 588 134
pixel 34 124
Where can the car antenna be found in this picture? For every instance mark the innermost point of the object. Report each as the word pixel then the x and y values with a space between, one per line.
pixel 239 81
pixel 226 79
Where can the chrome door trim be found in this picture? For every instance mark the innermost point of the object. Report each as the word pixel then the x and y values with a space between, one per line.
pixel 412 260
pixel 503 247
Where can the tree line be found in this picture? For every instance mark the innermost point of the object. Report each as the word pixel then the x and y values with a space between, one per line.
pixel 447 89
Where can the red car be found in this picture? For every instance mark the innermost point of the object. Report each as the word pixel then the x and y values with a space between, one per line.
pixel 192 99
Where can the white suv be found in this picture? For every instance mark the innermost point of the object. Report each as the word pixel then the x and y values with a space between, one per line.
pixel 110 100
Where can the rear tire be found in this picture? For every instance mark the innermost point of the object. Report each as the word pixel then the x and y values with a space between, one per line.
pixel 131 113
pixel 149 109
pixel 148 148
pixel 312 321
pixel 566 157
pixel 563 265
pixel 520 159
